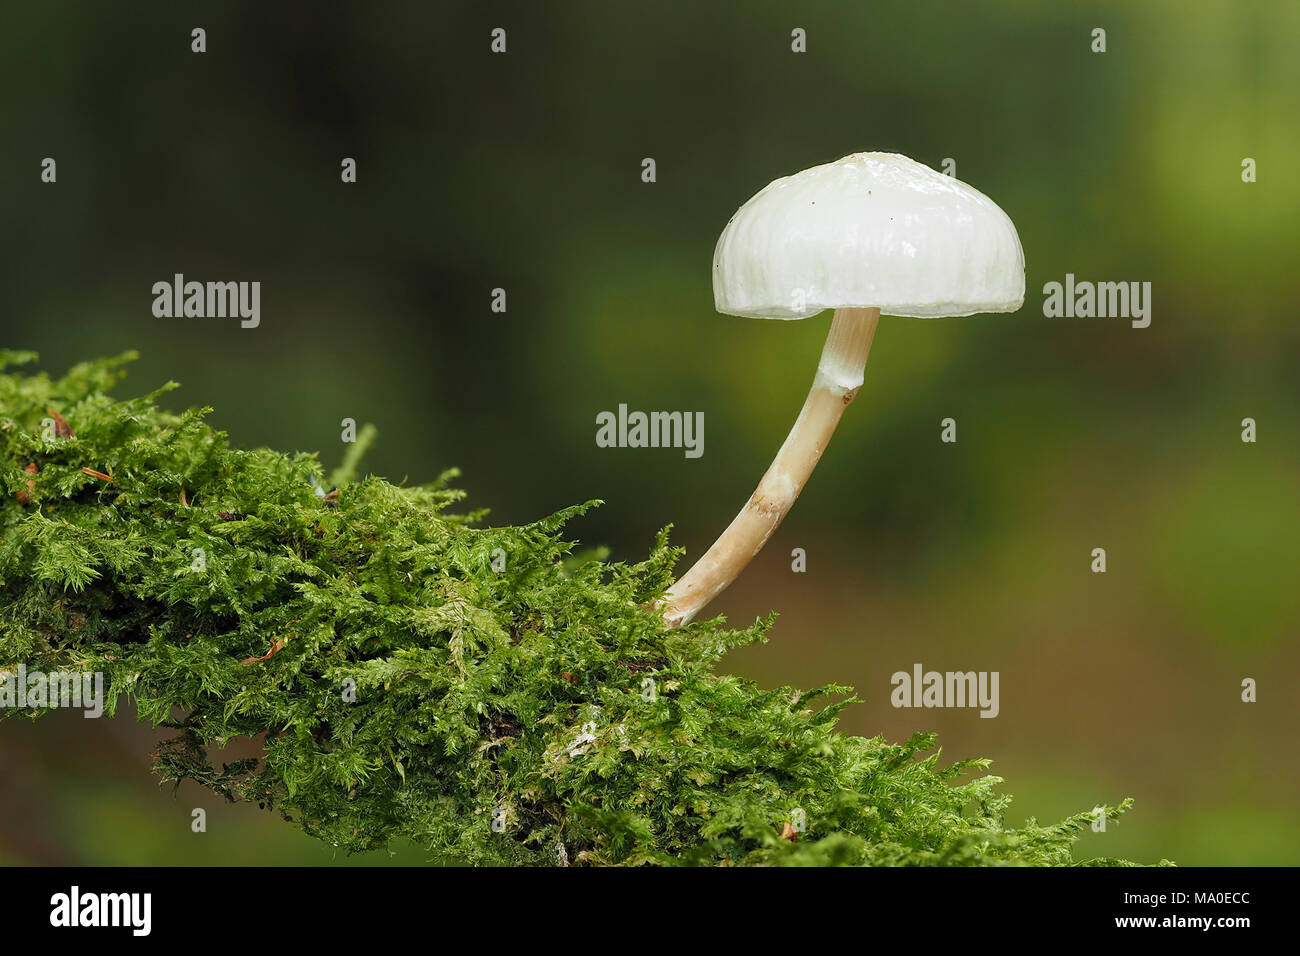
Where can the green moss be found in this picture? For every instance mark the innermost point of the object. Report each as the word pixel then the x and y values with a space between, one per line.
pixel 403 686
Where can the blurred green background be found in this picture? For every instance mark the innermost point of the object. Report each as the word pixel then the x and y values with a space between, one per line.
pixel 522 171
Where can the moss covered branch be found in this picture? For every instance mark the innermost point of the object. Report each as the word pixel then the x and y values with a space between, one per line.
pixel 483 692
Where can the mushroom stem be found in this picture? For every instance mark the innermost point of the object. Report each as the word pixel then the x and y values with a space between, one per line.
pixel 839 376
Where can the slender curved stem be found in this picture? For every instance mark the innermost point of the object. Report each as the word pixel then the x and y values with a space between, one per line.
pixel 839 376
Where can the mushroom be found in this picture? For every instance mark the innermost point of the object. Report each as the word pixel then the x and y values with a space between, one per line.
pixel 869 233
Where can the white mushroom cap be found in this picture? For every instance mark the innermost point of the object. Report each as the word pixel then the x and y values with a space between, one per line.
pixel 871 230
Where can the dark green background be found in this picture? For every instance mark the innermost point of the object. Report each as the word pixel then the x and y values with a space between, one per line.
pixel 523 171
